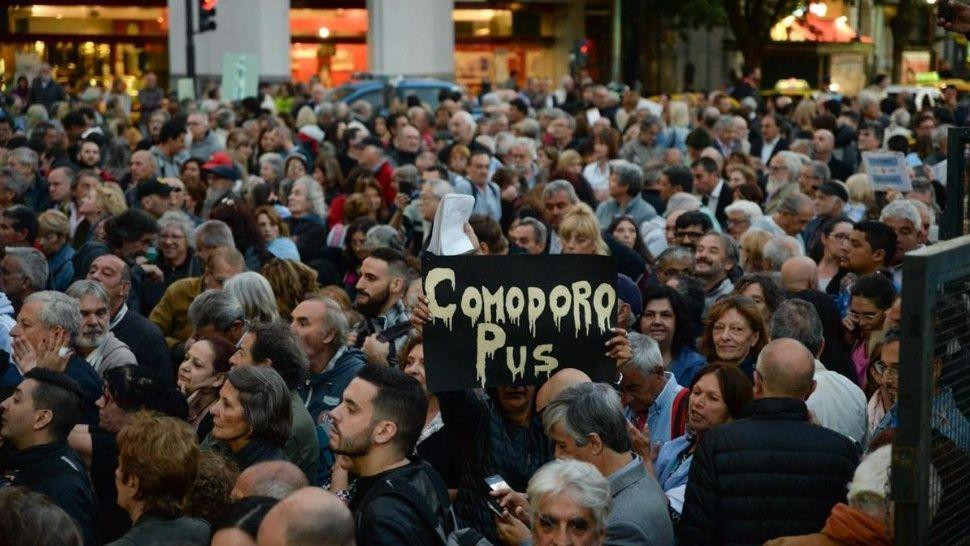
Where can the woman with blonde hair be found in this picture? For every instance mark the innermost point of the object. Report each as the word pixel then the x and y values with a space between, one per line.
pixel 861 196
pixel 752 244
pixel 100 203
pixel 580 232
pixel 802 116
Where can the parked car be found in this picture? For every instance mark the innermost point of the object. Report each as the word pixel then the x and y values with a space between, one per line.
pixel 378 91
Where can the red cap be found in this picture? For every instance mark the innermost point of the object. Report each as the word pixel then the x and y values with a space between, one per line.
pixel 218 159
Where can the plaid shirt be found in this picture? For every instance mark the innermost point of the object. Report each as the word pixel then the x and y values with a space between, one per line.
pixel 397 314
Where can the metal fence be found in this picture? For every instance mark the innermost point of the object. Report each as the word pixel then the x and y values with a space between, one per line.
pixel 931 453
pixel 954 222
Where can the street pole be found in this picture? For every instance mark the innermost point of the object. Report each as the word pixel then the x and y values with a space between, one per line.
pixel 190 46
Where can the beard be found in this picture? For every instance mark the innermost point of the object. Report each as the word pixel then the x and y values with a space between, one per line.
pixel 774 186
pixel 372 305
pixel 354 446
pixel 91 339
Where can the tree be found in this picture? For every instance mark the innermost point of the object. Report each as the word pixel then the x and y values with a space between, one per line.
pixel 901 27
pixel 751 22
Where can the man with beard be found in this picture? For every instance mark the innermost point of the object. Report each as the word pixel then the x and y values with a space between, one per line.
pixel 783 172
pixel 222 181
pixel 716 255
pixel 380 291
pixel 95 343
pixel 376 426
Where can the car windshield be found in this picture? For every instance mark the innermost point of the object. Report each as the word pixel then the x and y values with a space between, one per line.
pixel 338 93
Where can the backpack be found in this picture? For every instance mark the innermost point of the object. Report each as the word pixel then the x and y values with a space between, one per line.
pixel 403 492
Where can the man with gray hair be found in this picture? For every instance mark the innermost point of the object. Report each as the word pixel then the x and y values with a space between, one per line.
pixel 626 182
pixel 904 219
pixel 836 403
pixel 23 271
pixel 779 250
pixel 218 313
pixel 569 491
pixel 646 146
pixel 321 329
pixel 783 172
pixel 274 479
pixel 652 400
pixel 790 217
pixel 95 343
pixel 558 197
pixel 44 337
pixel 210 235
pixel 529 234
pixel 813 175
pixel 586 423
pixel 309 516
pixel 12 187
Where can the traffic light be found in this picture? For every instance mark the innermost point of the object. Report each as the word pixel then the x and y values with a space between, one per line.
pixel 581 51
pixel 207 15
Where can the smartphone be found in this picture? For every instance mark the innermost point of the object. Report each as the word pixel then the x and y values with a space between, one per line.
pixel 945 11
pixel 494 483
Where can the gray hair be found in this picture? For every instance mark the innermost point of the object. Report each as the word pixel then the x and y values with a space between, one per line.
pixel 13 181
pixel 439 188
pixel 940 134
pixel 560 186
pixel 181 221
pixel 225 118
pixel 255 294
pixel 504 142
pixel 33 265
pixel 216 307
pixel 314 192
pixel 541 232
pixel 821 171
pixel 581 481
pixel 779 250
pixel 57 309
pixel 408 173
pixel 589 408
pixel 274 161
pixel 265 401
pixel 646 354
pixel 723 122
pixel 750 209
pixel 675 253
pixel 903 210
pixel 731 249
pixel 335 320
pixel 798 319
pixel 628 174
pixel 467 119
pixel 867 98
pixel 794 202
pixel 25 156
pixel 682 201
pixel 792 162
pixel 214 233
pixel 83 288
pixel 650 120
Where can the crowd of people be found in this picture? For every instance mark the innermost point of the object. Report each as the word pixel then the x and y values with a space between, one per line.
pixel 211 316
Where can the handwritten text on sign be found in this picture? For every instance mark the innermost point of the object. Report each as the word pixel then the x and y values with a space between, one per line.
pixel 501 320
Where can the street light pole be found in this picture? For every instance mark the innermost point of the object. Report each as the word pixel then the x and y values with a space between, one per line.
pixel 189 44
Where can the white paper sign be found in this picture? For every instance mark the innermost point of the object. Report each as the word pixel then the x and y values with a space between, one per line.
pixel 887 171
pixel 448 233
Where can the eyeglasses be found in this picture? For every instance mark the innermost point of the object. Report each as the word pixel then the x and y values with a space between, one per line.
pixel 868 316
pixel 882 369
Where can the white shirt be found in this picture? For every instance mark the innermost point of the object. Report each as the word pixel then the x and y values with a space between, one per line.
pixel 599 179
pixel 839 404
pixel 767 148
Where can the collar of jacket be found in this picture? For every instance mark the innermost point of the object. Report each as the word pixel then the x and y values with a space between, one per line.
pixel 788 409
pixel 256 450
pixel 631 473
pixel 37 454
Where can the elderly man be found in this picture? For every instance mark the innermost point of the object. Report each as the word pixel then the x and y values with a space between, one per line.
pixel 830 200
pixel 321 330
pixel 904 219
pixel 141 336
pixel 487 194
pixel 274 479
pixel 714 258
pixel 823 144
pixel 740 215
pixel 95 343
pixel 772 462
pixel 143 168
pixel 273 344
pixel 529 234
pixel 784 171
pixel 12 187
pixel 407 145
pixel 171 313
pixel 308 516
pixel 626 182
pixel 558 197
pixel 836 403
pixel 779 251
pixel 204 142
pixel 799 273
pixel 586 423
pixel 790 218
pixel 652 399
pixel 23 272
pixel 44 337
pixel 372 159
pixel 217 313
pixel 645 147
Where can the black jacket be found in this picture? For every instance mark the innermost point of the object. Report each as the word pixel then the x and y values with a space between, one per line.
pixel 382 518
pixel 769 474
pixel 56 471
pixel 146 342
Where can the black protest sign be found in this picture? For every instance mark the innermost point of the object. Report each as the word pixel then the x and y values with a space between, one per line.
pixel 516 320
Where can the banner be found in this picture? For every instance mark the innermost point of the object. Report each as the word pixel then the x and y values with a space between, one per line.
pixel 887 171
pixel 516 320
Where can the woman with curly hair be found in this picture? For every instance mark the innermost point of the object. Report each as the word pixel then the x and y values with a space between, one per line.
pixel 292 282
pixel 239 217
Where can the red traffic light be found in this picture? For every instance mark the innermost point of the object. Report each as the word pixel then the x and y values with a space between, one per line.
pixel 208 5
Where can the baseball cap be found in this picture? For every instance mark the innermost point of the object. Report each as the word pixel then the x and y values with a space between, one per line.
pixel 218 159
pixel 836 189
pixel 152 187
pixel 227 172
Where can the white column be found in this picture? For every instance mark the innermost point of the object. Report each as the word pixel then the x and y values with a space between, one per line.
pixel 411 38
pixel 256 27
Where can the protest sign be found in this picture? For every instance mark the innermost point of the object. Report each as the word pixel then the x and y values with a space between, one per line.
pixel 240 76
pixel 516 320
pixel 887 171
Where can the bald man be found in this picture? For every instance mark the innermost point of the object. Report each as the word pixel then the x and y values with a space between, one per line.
pixel 771 461
pixel 799 273
pixel 275 479
pixel 309 516
pixel 823 144
pixel 560 381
